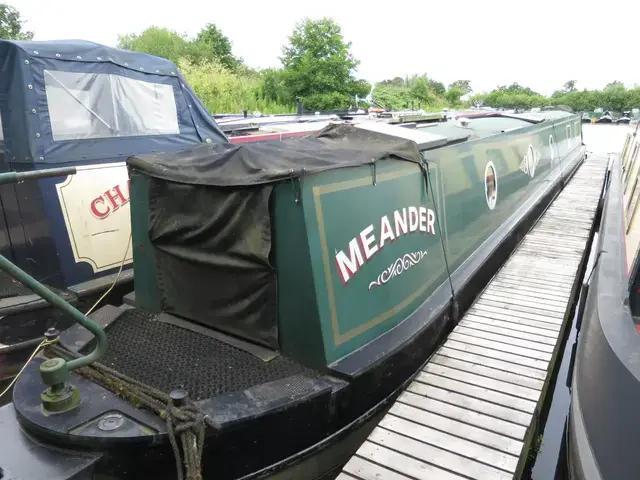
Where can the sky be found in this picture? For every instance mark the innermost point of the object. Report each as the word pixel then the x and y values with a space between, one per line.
pixel 540 44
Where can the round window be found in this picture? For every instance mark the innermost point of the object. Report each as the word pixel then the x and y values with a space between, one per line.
pixel 491 185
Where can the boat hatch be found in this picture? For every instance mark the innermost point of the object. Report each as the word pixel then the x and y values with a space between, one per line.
pixel 424 139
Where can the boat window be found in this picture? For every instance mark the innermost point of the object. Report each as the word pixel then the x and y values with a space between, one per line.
pixel 100 105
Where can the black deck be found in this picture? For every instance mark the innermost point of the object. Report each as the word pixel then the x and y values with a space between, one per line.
pixel 10 287
pixel 166 357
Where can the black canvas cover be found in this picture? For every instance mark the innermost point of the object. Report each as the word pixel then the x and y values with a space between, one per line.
pixel 210 220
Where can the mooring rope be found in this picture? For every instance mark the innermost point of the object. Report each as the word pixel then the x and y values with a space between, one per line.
pixel 185 422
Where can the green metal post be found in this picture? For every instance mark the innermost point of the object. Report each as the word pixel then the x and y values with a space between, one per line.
pixel 42 291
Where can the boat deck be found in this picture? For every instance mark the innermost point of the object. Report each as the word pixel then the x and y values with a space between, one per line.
pixel 473 408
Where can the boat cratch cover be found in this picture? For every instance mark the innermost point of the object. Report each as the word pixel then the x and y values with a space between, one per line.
pixel 210 220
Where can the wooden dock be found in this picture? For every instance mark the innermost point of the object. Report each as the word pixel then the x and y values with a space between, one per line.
pixel 472 409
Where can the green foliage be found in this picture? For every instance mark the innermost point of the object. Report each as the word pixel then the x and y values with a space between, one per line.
pixel 613 97
pixel 219 46
pixel 223 91
pixel 210 44
pixel 452 96
pixel 463 86
pixel 160 42
pixel 318 66
pixel 417 91
pixel 11 25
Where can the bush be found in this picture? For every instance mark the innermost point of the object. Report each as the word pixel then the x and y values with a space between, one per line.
pixel 222 91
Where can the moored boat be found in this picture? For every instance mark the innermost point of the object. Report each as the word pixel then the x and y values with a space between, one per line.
pixel 605 117
pixel 625 118
pixel 76 103
pixel 602 431
pixel 285 292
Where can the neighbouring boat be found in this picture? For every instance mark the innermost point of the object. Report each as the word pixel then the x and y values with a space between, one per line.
pixel 603 426
pixel 281 127
pixel 76 103
pixel 625 118
pixel 285 293
pixel 606 117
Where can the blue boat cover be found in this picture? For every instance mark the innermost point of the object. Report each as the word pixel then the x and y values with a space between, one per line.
pixel 75 101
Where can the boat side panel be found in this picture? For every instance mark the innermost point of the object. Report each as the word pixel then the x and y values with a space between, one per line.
pixel 518 161
pixel 607 372
pixel 376 250
pixel 144 261
pixel 299 327
pixel 522 160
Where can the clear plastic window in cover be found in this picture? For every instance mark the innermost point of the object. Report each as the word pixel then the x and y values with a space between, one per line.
pixel 100 105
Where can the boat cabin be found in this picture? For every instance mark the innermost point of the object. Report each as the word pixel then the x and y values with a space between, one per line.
pixel 316 246
pixel 77 103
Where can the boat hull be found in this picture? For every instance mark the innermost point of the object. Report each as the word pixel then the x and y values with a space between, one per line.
pixel 603 426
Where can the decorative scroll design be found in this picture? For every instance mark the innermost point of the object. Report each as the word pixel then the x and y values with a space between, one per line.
pixel 398 267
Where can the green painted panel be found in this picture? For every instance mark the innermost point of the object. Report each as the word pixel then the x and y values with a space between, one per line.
pixel 144 260
pixel 520 161
pixel 299 329
pixel 517 160
pixel 376 251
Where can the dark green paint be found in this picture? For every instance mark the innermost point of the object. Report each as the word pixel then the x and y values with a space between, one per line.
pixel 298 335
pixel 347 212
pixel 144 260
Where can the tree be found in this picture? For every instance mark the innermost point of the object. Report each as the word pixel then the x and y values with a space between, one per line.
pixel 318 66
pixel 615 83
pixel 570 86
pixel 463 85
pixel 420 90
pixel 11 25
pixel 452 96
pixel 436 87
pixel 219 46
pixel 158 41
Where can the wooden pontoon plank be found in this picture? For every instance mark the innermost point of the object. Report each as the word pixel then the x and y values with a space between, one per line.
pixel 457 427
pixel 443 458
pixel 360 469
pixel 497 354
pixel 520 370
pixel 468 412
pixel 449 442
pixel 413 468
pixel 482 369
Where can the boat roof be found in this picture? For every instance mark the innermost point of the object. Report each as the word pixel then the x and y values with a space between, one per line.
pixel 80 51
pixel 425 139
pixel 478 125
pixel 150 120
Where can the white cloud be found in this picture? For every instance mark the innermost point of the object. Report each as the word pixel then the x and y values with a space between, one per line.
pixel 538 44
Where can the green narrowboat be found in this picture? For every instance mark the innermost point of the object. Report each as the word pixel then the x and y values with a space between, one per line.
pixel 285 293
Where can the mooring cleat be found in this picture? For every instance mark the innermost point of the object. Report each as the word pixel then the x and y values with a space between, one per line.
pixel 61 396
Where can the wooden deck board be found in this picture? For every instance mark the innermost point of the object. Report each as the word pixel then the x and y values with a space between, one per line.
pixel 467 413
